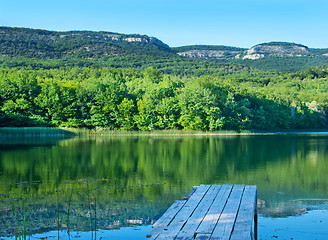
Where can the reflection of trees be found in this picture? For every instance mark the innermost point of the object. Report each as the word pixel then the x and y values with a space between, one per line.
pixel 281 162
pixel 143 160
pixel 299 174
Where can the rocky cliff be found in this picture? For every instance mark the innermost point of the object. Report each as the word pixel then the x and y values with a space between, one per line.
pixel 272 49
pixel 277 49
pixel 87 44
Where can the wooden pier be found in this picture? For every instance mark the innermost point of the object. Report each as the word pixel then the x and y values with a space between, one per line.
pixel 211 212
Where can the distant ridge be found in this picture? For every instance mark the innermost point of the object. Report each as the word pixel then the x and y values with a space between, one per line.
pixel 271 56
pixel 51 44
pixel 209 51
pixel 278 49
pixel 86 48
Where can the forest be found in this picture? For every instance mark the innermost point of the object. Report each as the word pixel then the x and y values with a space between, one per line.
pixel 130 99
pixel 97 80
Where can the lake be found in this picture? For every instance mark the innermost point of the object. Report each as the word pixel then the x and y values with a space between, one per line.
pixel 115 187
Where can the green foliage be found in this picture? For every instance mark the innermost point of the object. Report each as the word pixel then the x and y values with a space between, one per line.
pixel 125 114
pixel 128 99
pixel 17 120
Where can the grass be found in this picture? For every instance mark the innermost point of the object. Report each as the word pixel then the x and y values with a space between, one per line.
pixel 58 132
pixel 111 132
pixel 33 132
pixel 107 131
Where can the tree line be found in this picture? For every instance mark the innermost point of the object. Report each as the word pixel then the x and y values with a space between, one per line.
pixel 130 99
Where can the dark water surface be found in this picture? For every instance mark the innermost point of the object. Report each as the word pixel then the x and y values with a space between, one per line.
pixel 116 187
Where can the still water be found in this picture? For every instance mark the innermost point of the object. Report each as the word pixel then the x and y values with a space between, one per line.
pixel 109 187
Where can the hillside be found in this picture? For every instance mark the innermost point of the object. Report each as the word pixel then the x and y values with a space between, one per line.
pixel 51 44
pixel 209 51
pixel 273 56
pixel 271 49
pixel 276 49
pixel 41 49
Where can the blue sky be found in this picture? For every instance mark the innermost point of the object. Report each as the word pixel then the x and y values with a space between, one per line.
pixel 241 23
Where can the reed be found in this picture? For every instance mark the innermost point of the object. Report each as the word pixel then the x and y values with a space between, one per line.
pixel 57 215
pixel 24 224
pixel 68 219
pixel 15 219
pixel 110 132
pixel 18 234
pixel 33 132
pixel 29 225
pixel 95 218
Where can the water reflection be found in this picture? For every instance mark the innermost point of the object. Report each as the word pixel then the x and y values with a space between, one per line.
pixel 92 183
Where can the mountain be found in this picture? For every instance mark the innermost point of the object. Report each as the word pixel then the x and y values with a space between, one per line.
pixel 272 56
pixel 41 49
pixel 276 49
pixel 50 44
pixel 271 49
pixel 32 48
pixel 209 51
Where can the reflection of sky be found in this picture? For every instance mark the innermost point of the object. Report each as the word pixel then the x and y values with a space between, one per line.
pixel 295 227
pixel 312 204
pixel 308 219
pixel 124 233
pixel 291 207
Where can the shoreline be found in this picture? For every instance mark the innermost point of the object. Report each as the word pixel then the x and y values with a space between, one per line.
pixel 44 132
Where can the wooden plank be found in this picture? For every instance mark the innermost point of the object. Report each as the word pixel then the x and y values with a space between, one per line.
pixel 203 237
pixel 189 195
pixel 210 220
pixel 188 230
pixel 212 212
pixel 255 220
pixel 244 221
pixel 183 215
pixel 227 219
pixel 170 213
pixel 155 234
pixel 166 218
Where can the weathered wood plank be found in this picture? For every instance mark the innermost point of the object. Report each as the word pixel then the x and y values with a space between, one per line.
pixel 154 235
pixel 166 218
pixel 255 220
pixel 188 231
pixel 212 212
pixel 203 237
pixel 184 214
pixel 189 195
pixel 244 221
pixel 209 222
pixel 227 219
